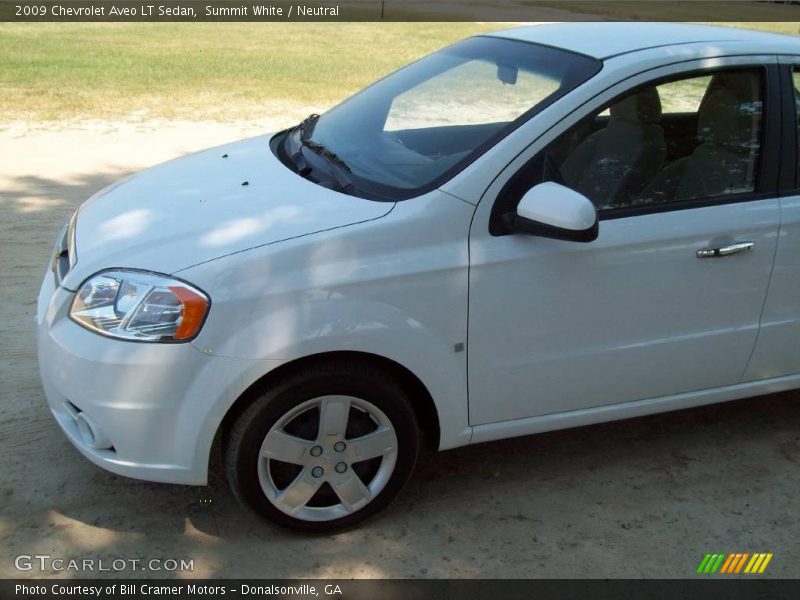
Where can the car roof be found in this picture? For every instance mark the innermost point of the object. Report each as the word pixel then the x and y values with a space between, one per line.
pixel 604 39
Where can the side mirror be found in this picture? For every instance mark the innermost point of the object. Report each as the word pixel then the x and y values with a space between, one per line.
pixel 554 211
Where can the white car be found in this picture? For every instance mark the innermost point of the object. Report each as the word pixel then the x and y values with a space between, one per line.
pixel 526 231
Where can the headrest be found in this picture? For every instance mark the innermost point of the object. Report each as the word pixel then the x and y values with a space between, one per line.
pixel 642 107
pixel 730 111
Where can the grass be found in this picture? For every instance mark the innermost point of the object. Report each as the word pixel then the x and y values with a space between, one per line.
pixel 200 70
pixel 689 10
pixel 223 71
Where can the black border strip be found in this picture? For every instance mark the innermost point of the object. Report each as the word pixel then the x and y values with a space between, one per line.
pixel 404 10
pixel 707 587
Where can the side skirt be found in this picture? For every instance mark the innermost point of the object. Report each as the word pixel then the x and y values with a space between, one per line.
pixel 628 410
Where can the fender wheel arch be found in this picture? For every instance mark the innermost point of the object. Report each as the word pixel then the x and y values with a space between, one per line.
pixel 421 399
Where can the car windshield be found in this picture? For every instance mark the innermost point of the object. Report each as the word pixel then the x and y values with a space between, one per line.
pixel 413 129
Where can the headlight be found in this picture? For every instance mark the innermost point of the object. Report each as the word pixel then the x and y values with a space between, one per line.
pixel 140 306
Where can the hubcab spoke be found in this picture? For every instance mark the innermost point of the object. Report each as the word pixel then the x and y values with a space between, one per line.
pixel 298 493
pixel 279 445
pixel 351 490
pixel 334 412
pixel 375 444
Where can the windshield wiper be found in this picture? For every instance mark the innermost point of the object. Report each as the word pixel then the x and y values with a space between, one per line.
pixel 307 126
pixel 324 152
pixel 339 168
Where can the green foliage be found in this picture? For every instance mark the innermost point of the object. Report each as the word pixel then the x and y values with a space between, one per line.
pixel 200 70
pixel 207 70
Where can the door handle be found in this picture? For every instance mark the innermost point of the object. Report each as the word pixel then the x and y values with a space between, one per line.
pixel 735 248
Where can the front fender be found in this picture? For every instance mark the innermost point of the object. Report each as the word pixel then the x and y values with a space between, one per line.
pixel 369 288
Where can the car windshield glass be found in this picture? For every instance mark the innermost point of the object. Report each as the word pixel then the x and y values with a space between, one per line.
pixel 421 124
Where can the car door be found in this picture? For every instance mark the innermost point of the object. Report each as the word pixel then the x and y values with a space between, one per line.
pixel 776 354
pixel 667 299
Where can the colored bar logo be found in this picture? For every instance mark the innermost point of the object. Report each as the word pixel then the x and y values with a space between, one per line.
pixel 735 563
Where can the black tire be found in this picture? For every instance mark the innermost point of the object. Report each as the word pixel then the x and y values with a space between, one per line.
pixel 242 443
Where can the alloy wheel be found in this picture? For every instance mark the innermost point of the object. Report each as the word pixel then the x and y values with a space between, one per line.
pixel 327 458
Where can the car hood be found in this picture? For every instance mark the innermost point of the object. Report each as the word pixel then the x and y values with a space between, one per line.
pixel 204 206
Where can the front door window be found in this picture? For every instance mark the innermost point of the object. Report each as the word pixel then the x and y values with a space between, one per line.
pixel 688 139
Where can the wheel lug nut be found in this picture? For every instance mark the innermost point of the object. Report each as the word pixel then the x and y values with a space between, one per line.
pixel 318 471
pixel 341 467
pixel 316 450
pixel 339 446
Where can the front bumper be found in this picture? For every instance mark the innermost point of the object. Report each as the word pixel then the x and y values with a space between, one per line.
pixel 156 407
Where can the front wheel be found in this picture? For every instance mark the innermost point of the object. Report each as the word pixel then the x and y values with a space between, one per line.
pixel 323 449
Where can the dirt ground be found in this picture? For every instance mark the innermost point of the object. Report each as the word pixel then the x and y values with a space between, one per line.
pixel 641 498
